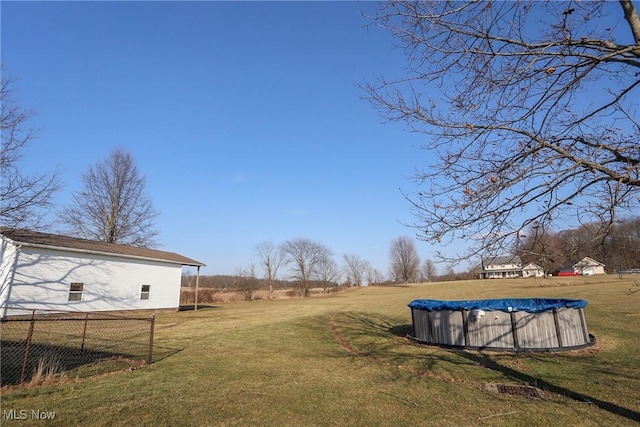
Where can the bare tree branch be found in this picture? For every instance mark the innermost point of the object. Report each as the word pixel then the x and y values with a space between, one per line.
pixel 528 111
pixel 24 199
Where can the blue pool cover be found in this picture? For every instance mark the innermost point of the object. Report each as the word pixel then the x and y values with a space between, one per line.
pixel 530 305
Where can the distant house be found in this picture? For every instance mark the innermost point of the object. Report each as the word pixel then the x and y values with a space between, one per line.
pixel 585 267
pixel 532 270
pixel 53 272
pixel 589 267
pixel 501 267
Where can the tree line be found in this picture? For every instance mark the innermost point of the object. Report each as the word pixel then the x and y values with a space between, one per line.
pixel 304 263
pixel 618 248
pixel 301 264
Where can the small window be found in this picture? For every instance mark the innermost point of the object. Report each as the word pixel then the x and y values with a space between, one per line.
pixel 144 292
pixel 75 291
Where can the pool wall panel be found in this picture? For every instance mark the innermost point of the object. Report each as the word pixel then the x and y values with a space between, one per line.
pixel 447 327
pixel 421 325
pixel 493 329
pixel 572 328
pixel 536 330
pixel 555 329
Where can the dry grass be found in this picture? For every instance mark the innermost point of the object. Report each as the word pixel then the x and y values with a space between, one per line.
pixel 216 296
pixel 47 372
pixel 343 360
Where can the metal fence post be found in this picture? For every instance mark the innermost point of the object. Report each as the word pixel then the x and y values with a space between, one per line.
pixel 84 331
pixel 153 322
pixel 27 347
pixel 58 346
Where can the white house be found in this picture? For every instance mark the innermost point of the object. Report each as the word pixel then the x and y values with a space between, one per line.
pixel 53 272
pixel 532 270
pixel 588 267
pixel 501 267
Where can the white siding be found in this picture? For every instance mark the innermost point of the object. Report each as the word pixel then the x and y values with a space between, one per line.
pixel 532 270
pixel 501 274
pixel 592 270
pixel 43 276
pixel 7 254
pixel 589 267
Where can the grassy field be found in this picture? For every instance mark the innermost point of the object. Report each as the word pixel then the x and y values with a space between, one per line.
pixel 344 360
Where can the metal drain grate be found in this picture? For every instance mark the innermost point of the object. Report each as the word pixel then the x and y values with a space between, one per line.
pixel 516 390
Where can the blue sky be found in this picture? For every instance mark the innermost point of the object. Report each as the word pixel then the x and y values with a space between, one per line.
pixel 245 118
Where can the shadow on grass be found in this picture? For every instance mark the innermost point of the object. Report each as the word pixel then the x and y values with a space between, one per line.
pixel 382 339
pixel 63 359
pixel 58 358
pixel 192 307
pixel 401 330
pixel 161 352
pixel 488 362
pixel 377 337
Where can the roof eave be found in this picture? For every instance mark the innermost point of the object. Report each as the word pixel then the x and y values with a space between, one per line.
pixel 190 263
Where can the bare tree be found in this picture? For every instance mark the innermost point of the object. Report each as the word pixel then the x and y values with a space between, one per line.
pixel 374 276
pixel 24 199
pixel 327 271
pixel 271 259
pixel 404 260
pixel 247 282
pixel 429 269
pixel 529 111
pixel 356 268
pixel 113 206
pixel 303 256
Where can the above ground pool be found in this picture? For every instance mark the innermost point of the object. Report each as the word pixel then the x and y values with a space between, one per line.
pixel 532 324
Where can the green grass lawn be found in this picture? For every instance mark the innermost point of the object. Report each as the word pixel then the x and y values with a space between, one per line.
pixel 344 360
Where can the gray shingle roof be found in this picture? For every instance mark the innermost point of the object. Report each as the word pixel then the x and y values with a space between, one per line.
pixel 500 260
pixel 37 239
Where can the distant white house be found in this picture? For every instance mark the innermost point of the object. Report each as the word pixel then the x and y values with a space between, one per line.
pixel 501 267
pixel 588 267
pixel 532 270
pixel 585 267
pixel 52 272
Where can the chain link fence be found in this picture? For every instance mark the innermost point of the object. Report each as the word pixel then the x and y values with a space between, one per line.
pixel 45 343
